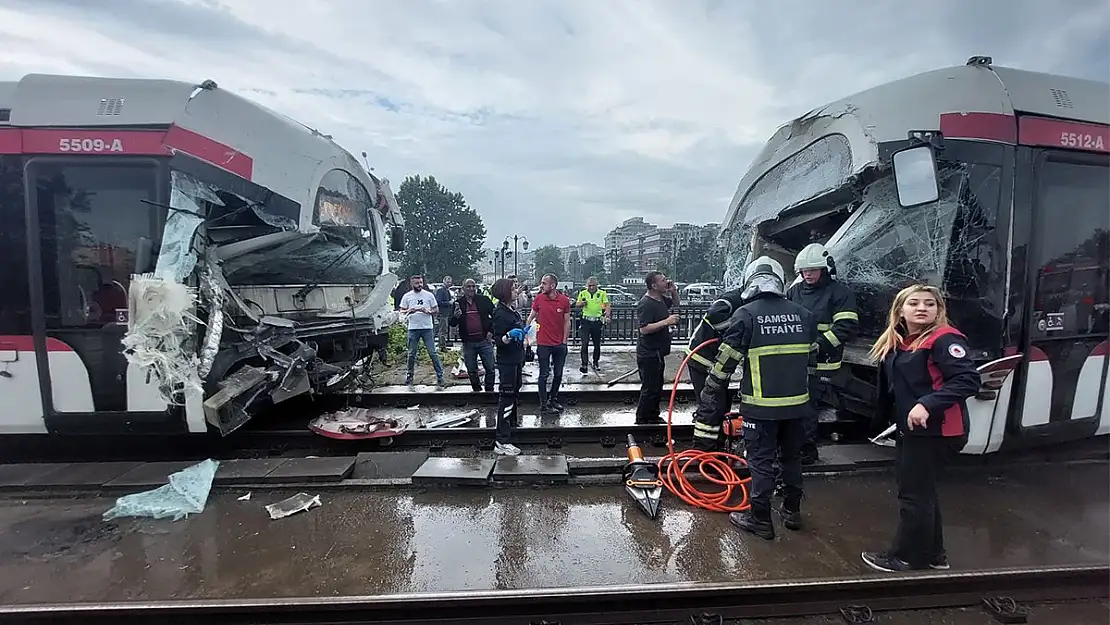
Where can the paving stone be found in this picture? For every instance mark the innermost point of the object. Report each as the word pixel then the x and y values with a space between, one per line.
pixel 20 474
pixel 246 470
pixel 377 465
pixel 848 456
pixel 331 469
pixel 532 469
pixel 83 474
pixel 150 474
pixel 595 466
pixel 455 471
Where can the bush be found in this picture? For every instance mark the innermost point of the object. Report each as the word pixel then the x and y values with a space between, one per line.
pixel 398 348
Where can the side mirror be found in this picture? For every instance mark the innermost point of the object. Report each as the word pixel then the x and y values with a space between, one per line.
pixel 397 239
pixel 915 176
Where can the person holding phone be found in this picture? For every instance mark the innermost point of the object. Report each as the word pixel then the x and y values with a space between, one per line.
pixel 653 312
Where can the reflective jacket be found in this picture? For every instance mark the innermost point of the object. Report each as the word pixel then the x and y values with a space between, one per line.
pixel 774 337
pixel 712 325
pixel 833 305
pixel 939 374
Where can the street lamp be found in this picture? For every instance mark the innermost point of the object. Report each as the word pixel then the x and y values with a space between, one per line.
pixel 519 241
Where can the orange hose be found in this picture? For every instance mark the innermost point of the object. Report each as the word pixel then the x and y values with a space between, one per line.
pixel 714 466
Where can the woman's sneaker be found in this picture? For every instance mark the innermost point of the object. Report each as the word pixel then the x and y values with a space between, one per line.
pixel 506 449
pixel 940 563
pixel 884 562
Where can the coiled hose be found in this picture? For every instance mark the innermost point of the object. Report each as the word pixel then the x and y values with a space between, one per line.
pixel 714 466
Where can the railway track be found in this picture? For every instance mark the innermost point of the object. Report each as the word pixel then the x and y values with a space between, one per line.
pixel 1000 592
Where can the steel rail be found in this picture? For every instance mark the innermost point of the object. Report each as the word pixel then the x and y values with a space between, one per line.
pixel 583 393
pixel 602 605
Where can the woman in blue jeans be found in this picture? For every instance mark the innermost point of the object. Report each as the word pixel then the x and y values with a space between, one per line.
pixel 508 336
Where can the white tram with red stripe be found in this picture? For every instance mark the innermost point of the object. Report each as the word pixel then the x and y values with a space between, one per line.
pixel 263 237
pixel 1018 233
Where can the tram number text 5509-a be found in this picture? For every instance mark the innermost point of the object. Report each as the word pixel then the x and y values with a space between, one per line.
pixel 1081 140
pixel 89 145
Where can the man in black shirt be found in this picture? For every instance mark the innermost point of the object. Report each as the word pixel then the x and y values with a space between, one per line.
pixel 653 313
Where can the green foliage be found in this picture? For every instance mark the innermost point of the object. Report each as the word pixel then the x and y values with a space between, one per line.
pixel 621 267
pixel 594 266
pixel 398 349
pixel 548 260
pixel 574 267
pixel 700 261
pixel 443 235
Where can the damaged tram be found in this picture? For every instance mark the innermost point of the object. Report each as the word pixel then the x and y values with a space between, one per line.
pixel 176 258
pixel 1015 227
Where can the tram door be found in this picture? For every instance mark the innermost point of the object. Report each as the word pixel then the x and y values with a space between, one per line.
pixel 97 218
pixel 1066 368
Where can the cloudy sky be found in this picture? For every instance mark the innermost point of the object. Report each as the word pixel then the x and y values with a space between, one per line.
pixel 556 119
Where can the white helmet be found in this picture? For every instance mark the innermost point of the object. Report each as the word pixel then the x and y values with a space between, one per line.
pixel 763 275
pixel 813 256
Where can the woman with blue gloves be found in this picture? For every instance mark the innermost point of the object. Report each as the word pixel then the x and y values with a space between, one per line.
pixel 508 336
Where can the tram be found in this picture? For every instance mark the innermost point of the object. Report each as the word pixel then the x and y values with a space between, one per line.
pixel 175 258
pixel 1015 228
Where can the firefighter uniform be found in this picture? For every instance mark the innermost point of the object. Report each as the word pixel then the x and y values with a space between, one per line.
pixel 833 305
pixel 707 432
pixel 774 339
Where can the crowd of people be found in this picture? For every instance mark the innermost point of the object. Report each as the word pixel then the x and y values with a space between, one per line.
pixel 788 344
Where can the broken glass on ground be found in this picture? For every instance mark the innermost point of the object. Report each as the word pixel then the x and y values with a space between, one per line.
pixel 185 494
pixel 288 507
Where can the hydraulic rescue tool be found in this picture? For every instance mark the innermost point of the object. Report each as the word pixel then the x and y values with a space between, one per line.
pixel 641 479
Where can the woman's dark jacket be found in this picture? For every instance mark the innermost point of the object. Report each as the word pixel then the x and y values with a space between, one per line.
pixel 939 374
pixel 505 319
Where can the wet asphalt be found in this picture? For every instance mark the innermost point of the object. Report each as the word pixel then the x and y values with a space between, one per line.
pixel 392 541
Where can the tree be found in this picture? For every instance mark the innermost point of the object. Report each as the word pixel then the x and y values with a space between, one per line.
pixel 621 266
pixel 548 259
pixel 574 267
pixel 443 235
pixel 664 267
pixel 594 266
pixel 700 260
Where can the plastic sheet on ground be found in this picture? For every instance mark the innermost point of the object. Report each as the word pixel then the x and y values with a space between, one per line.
pixel 288 507
pixel 186 493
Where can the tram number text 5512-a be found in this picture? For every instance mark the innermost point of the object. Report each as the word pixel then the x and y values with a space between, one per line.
pixel 1081 140
pixel 89 145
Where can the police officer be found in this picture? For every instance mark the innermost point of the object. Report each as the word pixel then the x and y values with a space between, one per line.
pixel 707 431
pixel 775 338
pixel 833 305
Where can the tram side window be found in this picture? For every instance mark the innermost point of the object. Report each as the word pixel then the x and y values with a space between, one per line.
pixel 1073 276
pixel 15 296
pixel 96 229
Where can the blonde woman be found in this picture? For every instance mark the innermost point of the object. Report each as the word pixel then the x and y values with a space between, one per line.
pixel 926 374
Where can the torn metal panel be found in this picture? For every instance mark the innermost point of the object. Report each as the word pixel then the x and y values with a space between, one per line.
pixel 159 331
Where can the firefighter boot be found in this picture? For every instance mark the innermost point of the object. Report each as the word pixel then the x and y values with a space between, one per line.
pixel 747 521
pixel 791 512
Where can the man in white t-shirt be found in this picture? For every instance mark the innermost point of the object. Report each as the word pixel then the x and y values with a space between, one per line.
pixel 420 305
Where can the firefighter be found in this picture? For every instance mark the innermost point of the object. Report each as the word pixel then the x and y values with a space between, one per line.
pixel 707 432
pixel 775 340
pixel 833 305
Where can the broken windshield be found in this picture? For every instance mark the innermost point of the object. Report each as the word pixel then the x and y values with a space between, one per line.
pixel 952 242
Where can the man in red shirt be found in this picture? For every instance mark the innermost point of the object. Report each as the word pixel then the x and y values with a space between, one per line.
pixel 552 309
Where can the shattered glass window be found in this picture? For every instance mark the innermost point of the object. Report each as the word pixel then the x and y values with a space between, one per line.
pixel 737 249
pixel 952 243
pixel 824 165
pixel 341 200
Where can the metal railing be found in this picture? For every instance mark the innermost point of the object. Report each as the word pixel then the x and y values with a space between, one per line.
pixel 623 328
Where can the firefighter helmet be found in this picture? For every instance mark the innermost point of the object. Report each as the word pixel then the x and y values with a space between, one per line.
pixel 813 256
pixel 763 275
